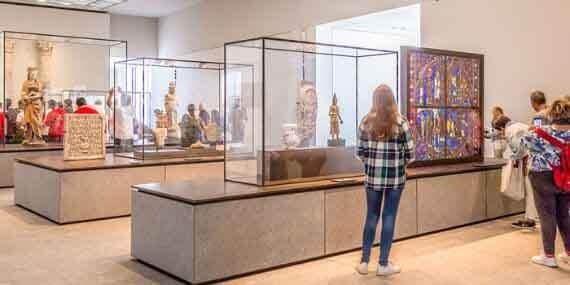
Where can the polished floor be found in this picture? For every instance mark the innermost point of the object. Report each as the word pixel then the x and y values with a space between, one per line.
pixel 35 251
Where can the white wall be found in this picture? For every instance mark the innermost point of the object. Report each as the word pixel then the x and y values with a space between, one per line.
pixel 525 42
pixel 211 23
pixel 140 32
pixel 53 21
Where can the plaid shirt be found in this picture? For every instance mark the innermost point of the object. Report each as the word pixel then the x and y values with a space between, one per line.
pixel 542 153
pixel 385 161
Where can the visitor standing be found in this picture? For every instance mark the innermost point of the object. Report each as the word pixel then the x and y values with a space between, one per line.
pixel 83 108
pixel 552 203
pixel 55 122
pixel 499 124
pixel 539 119
pixel 385 147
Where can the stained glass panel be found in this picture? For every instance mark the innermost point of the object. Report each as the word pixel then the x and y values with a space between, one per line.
pixel 463 133
pixel 428 128
pixel 462 82
pixel 426 79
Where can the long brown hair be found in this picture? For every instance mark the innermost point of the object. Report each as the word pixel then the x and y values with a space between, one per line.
pixel 382 120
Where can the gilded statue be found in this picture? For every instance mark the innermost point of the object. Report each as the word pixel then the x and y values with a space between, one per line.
pixel 33 100
pixel 335 120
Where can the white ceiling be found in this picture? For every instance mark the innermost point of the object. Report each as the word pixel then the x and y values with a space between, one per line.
pixel 151 8
pixel 147 8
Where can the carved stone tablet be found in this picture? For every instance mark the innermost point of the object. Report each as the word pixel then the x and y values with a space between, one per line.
pixel 84 137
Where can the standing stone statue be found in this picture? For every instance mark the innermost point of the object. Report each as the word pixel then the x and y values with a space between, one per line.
pixel 307 107
pixel 171 107
pixel 335 122
pixel 33 101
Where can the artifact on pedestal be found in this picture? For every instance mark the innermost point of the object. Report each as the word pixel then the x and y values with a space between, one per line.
pixel 33 103
pixel 335 122
pixel 307 107
pixel 84 137
pixel 171 106
pixel 190 127
pixel 160 130
pixel 290 138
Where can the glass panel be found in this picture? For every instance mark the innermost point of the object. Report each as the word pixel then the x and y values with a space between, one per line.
pixel 47 76
pixel 243 111
pixel 463 82
pixel 304 103
pixel 2 93
pixel 168 109
pixel 428 127
pixel 463 133
pixel 373 71
pixel 426 80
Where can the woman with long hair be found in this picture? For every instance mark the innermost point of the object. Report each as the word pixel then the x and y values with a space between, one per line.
pixel 552 204
pixel 385 147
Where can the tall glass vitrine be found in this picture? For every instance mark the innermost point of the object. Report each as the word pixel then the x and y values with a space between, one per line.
pixel 300 121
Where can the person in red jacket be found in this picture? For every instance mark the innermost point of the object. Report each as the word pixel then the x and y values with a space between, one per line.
pixel 55 121
pixel 83 108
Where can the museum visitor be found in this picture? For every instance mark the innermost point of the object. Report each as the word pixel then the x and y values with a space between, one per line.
pixel 386 147
pixel 552 200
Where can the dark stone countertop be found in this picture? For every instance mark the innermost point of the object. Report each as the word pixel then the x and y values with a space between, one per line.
pixel 11 148
pixel 211 191
pixel 111 161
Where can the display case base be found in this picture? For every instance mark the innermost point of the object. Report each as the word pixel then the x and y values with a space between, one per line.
pixel 335 143
pixel 315 219
pixel 76 191
pixel 172 153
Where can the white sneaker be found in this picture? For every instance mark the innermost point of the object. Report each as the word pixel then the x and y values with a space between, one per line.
pixel 564 258
pixel 362 268
pixel 545 261
pixel 388 270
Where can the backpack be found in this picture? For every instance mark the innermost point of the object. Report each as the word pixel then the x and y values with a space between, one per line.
pixel 562 172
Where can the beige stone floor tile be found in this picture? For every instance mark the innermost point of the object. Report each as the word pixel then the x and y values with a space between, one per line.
pixel 36 251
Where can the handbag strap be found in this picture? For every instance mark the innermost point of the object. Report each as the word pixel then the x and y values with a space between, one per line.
pixel 552 140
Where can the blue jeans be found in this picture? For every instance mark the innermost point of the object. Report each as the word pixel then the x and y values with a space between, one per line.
pixel 374 205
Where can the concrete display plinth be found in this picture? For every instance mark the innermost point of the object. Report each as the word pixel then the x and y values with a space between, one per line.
pixel 194 229
pixel 66 192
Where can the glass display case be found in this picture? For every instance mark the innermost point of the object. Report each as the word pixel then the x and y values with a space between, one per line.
pixel 296 118
pixel 443 99
pixel 43 75
pixel 167 108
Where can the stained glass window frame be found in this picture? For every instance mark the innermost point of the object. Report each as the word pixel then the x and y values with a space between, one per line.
pixel 409 104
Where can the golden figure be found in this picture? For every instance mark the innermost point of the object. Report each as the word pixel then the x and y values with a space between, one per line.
pixel 335 119
pixel 33 100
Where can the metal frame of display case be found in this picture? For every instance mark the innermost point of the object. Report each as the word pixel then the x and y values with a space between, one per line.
pixel 3 34
pixel 219 66
pixel 404 102
pixel 264 48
